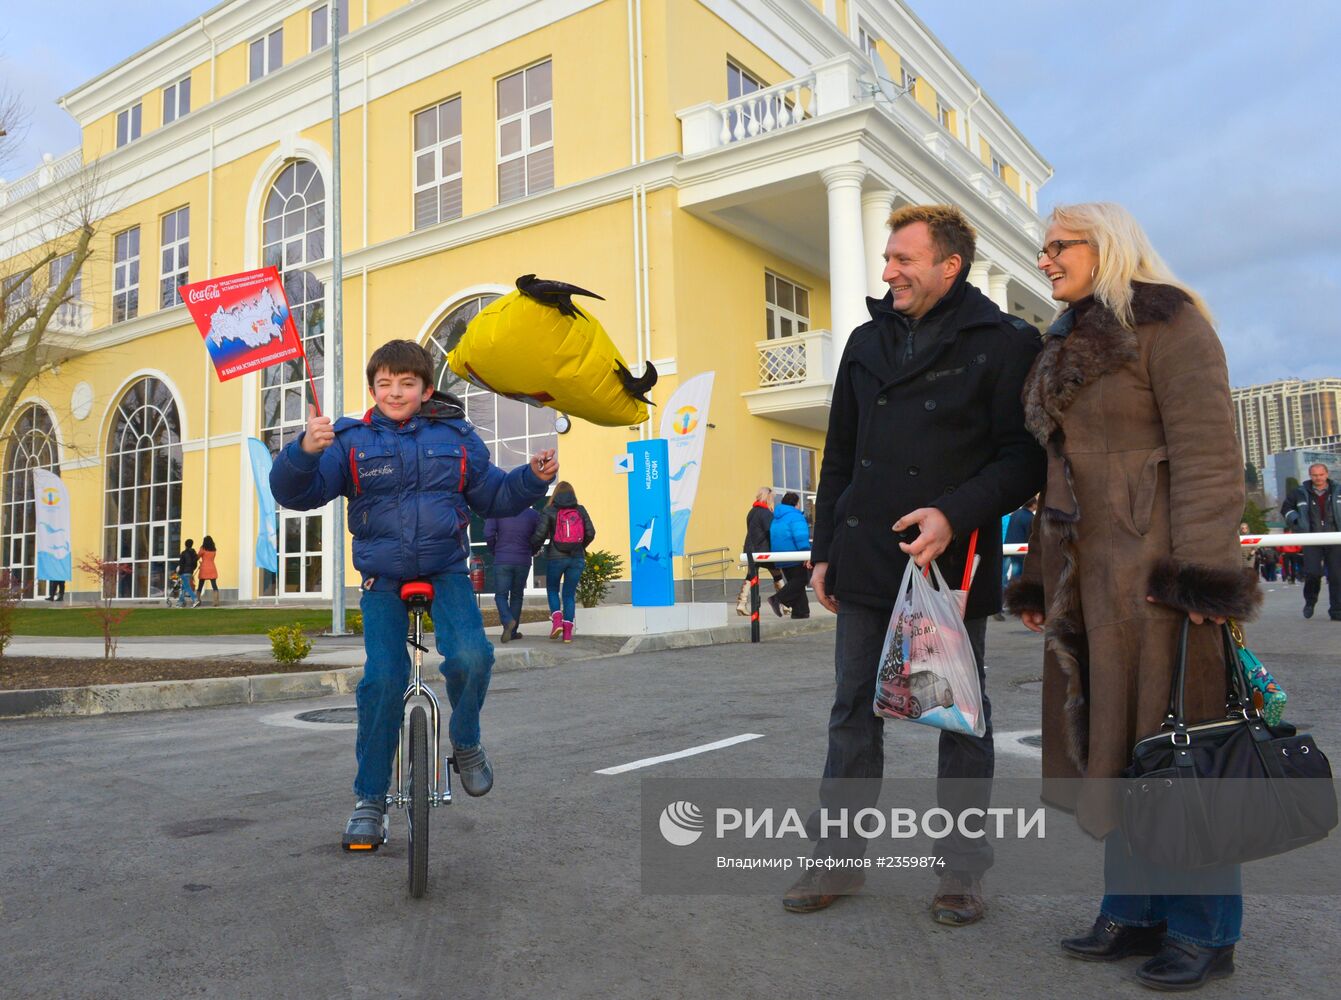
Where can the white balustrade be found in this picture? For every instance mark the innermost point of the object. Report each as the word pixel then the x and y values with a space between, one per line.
pixel 791 360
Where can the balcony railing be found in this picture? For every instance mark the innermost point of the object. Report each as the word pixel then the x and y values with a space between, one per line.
pixel 51 170
pixel 793 360
pixel 768 110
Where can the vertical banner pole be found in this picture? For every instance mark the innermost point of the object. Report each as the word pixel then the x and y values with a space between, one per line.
pixel 754 598
pixel 337 326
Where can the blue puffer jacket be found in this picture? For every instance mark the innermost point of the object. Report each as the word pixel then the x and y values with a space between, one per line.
pixel 410 489
pixel 789 532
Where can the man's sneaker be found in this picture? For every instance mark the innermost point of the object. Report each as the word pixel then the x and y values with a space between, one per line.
pixel 507 632
pixel 477 774
pixel 958 901
pixel 819 888
pixel 366 829
pixel 196 603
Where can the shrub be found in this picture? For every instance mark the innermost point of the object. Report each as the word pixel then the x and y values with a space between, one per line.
pixel 601 570
pixel 354 622
pixel 10 595
pixel 104 614
pixel 289 644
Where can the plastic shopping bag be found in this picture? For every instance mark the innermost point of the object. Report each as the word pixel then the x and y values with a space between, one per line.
pixel 927 672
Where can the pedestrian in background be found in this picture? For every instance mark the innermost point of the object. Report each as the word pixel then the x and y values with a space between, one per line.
pixel 758 524
pixel 1312 508
pixel 187 561
pixel 789 532
pixel 567 527
pixel 509 539
pixel 209 572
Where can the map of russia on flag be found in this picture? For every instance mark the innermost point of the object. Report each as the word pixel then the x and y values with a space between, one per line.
pixel 245 320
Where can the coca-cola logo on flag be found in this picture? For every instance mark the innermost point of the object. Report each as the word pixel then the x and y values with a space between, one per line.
pixel 245 321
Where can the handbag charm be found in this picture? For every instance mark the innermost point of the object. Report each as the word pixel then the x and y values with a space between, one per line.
pixel 1267 694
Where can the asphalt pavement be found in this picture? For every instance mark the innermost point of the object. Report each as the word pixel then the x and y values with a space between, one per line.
pixel 196 853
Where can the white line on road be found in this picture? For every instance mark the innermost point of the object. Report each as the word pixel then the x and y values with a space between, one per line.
pixel 649 761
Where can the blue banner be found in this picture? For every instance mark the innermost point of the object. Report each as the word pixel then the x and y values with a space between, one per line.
pixel 52 505
pixel 267 535
pixel 650 525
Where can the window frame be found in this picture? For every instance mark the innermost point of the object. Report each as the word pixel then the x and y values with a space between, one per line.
pixel 176 90
pixel 775 313
pixel 312 44
pixel 437 148
pixel 779 485
pixel 268 41
pixel 126 294
pixel 868 41
pixel 133 120
pixel 523 118
pixel 68 311
pixel 179 248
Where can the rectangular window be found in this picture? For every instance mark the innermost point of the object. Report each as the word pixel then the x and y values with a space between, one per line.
pixel 740 82
pixel 945 115
pixel 998 166
pixel 266 54
pixel 437 164
pixel 794 471
pixel 866 41
pixel 126 275
pixel 525 132
pixel 128 126
pixel 175 235
pixel 787 309
pixel 67 312
pixel 176 100
pixel 907 77
pixel 321 24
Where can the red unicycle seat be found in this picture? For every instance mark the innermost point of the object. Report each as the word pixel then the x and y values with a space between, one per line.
pixel 417 592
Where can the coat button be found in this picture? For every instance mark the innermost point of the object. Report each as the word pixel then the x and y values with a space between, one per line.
pixel 913 470
pixel 865 463
pixel 949 490
pixel 881 400
pixel 852 522
pixel 930 404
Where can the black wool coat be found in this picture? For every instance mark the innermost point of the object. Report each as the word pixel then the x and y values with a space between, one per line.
pixel 946 431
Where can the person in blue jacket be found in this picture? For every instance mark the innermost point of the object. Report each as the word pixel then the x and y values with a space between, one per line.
pixel 411 469
pixel 791 533
pixel 509 539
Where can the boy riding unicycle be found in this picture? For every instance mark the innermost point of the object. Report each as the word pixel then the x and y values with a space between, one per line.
pixel 411 469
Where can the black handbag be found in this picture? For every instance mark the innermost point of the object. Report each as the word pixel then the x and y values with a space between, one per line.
pixel 1225 791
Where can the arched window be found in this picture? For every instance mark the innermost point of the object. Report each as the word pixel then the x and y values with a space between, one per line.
pixel 513 431
pixel 32 445
pixel 293 235
pixel 143 520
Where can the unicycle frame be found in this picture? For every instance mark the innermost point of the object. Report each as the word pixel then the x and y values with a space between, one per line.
pixel 441 793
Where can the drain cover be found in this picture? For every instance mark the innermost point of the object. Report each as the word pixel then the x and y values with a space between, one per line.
pixel 338 716
pixel 1032 741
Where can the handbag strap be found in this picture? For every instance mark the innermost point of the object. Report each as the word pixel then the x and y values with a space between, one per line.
pixel 1236 694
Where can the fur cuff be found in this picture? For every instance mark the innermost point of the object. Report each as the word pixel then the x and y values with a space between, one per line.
pixel 1207 590
pixel 1024 595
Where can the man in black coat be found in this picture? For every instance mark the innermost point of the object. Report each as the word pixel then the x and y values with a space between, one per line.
pixel 1316 506
pixel 926 443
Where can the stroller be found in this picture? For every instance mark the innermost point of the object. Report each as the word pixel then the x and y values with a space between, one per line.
pixel 174 592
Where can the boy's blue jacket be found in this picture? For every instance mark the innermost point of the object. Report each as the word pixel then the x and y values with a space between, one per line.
pixel 409 487
pixel 789 532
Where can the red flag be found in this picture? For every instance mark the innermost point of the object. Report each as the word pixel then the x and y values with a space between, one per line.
pixel 245 320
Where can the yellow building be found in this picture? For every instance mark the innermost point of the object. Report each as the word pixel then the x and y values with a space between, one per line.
pixel 719 170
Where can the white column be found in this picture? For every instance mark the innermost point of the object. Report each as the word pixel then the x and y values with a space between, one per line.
pixel 978 275
pixel 997 290
pixel 847 269
pixel 875 206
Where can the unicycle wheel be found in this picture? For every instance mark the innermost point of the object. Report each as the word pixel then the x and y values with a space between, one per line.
pixel 421 787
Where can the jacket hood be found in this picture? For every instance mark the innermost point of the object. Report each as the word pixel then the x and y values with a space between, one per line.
pixel 565 498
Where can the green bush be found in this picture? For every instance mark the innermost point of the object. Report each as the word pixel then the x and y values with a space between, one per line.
pixel 601 570
pixel 354 622
pixel 289 644
pixel 10 595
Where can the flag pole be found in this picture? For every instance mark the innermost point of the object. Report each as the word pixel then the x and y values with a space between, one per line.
pixel 337 316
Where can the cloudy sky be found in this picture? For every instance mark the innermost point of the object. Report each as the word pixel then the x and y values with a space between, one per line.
pixel 1213 120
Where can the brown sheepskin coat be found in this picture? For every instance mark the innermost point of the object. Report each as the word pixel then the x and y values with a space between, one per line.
pixel 1144 496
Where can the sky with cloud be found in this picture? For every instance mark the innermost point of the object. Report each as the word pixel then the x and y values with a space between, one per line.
pixel 1214 121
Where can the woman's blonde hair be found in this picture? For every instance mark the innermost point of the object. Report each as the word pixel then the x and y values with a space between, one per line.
pixel 1125 255
pixel 765 493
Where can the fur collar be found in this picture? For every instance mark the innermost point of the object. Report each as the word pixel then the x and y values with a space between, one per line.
pixel 1097 344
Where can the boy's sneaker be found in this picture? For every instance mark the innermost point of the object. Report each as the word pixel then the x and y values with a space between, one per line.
pixel 556 625
pixel 366 829
pixel 507 632
pixel 196 603
pixel 477 774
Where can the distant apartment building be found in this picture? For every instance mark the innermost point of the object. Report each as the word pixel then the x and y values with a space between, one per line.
pixel 1290 413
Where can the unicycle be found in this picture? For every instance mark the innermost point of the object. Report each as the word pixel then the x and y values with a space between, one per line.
pixel 421 785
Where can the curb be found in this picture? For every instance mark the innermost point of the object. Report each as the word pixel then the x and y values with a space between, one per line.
pixel 211 692
pixel 721 635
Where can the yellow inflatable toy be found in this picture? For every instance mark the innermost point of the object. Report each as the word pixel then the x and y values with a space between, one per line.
pixel 534 345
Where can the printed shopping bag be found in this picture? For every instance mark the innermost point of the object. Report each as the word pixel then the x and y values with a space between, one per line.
pixel 927 671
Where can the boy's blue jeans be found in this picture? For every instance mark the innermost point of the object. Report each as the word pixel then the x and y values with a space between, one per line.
pixel 509 590
pixel 1211 921
pixel 188 591
pixel 467 665
pixel 567 569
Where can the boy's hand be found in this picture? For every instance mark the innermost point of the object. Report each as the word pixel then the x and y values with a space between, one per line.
pixel 545 465
pixel 320 433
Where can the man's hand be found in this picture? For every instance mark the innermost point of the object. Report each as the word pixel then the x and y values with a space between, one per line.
pixel 817 585
pixel 1197 619
pixel 320 433
pixel 935 536
pixel 1032 620
pixel 545 465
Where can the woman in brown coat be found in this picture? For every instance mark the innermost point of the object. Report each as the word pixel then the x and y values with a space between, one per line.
pixel 1136 532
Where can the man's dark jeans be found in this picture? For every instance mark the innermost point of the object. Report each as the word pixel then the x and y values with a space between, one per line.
pixel 1316 559
pixel 510 591
pixel 793 592
pixel 857 744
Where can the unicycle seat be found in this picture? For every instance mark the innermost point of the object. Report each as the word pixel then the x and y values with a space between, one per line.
pixel 417 593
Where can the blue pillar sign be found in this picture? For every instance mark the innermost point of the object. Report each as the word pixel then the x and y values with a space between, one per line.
pixel 650 525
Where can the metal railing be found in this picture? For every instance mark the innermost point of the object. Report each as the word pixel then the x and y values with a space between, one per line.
pixel 699 564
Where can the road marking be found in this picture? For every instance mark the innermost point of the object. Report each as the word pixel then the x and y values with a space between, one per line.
pixel 649 761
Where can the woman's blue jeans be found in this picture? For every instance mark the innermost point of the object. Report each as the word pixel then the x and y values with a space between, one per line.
pixel 467 665
pixel 1211 921
pixel 561 576
pixel 509 590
